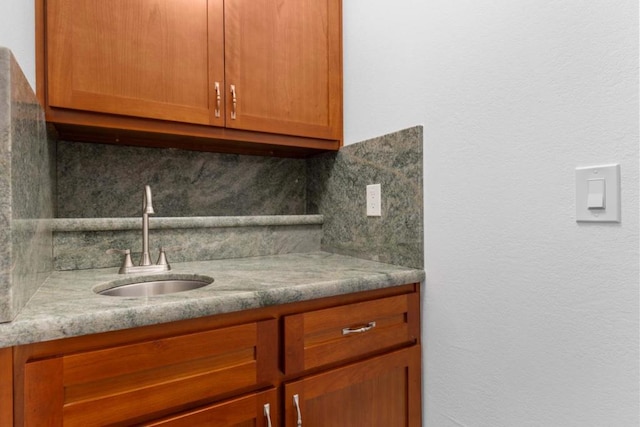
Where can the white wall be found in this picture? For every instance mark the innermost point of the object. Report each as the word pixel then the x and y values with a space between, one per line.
pixel 17 32
pixel 530 318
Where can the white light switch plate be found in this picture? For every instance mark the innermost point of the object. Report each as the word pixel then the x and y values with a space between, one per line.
pixel 374 199
pixel 611 176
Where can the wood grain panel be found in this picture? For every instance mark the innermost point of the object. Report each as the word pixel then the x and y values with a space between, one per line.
pixel 378 392
pixel 294 49
pixel 121 360
pixel 316 338
pixel 166 373
pixel 148 58
pixel 160 397
pixel 43 393
pixel 6 386
pixel 148 378
pixel 354 314
pixel 246 411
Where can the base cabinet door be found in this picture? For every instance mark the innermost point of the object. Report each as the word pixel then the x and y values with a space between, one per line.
pixel 254 410
pixel 382 391
pixel 147 380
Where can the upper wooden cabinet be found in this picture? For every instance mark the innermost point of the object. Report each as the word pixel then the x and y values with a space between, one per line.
pixel 222 75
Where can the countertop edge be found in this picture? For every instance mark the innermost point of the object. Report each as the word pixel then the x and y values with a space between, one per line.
pixel 47 327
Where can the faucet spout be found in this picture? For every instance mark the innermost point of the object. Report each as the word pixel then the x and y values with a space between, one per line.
pixel 147 209
pixel 146 266
pixel 147 204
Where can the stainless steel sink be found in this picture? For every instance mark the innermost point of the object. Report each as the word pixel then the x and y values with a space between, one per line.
pixel 160 286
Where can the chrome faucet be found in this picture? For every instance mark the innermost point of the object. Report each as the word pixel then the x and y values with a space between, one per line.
pixel 145 260
pixel 147 209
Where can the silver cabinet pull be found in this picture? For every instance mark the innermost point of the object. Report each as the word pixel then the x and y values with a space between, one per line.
pixel 267 414
pixel 296 402
pixel 235 102
pixel 370 326
pixel 216 112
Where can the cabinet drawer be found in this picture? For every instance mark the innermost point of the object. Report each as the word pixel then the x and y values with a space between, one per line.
pixel 257 409
pixel 322 337
pixel 151 378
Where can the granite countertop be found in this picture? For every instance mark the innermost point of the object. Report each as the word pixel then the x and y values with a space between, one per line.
pixel 66 304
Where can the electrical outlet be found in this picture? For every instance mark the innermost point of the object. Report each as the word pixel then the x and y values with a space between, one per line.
pixel 374 198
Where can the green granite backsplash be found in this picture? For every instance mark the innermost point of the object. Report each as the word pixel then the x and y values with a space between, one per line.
pixel 26 189
pixel 105 181
pixel 82 243
pixel 336 188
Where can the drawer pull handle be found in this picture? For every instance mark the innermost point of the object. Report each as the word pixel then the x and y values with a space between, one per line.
pixel 296 402
pixel 267 414
pixel 348 331
pixel 234 101
pixel 218 99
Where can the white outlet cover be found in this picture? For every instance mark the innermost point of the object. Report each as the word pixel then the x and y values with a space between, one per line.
pixel 374 200
pixel 611 176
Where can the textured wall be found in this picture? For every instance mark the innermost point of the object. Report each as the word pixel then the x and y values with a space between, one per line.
pixel 337 190
pixel 17 33
pixel 26 186
pixel 530 319
pixel 98 181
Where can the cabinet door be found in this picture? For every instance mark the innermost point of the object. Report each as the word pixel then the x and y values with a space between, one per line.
pixel 379 392
pixel 146 58
pixel 149 379
pixel 283 59
pixel 255 410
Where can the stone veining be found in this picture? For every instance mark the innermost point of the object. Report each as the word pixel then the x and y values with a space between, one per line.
pixel 336 186
pixel 82 243
pixel 26 188
pixel 185 183
pixel 66 305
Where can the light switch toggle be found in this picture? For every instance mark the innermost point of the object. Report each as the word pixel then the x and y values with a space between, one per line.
pixel 595 193
pixel 598 193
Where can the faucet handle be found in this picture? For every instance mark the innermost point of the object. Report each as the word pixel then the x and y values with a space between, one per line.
pixel 162 258
pixel 126 262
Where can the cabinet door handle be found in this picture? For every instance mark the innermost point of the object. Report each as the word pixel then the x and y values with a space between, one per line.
pixel 235 102
pixel 296 402
pixel 267 414
pixel 216 112
pixel 368 327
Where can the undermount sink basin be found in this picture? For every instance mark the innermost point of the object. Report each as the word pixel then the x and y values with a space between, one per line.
pixel 150 286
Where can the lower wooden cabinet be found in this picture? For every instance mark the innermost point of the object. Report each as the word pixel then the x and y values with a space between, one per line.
pixel 349 361
pixel 382 391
